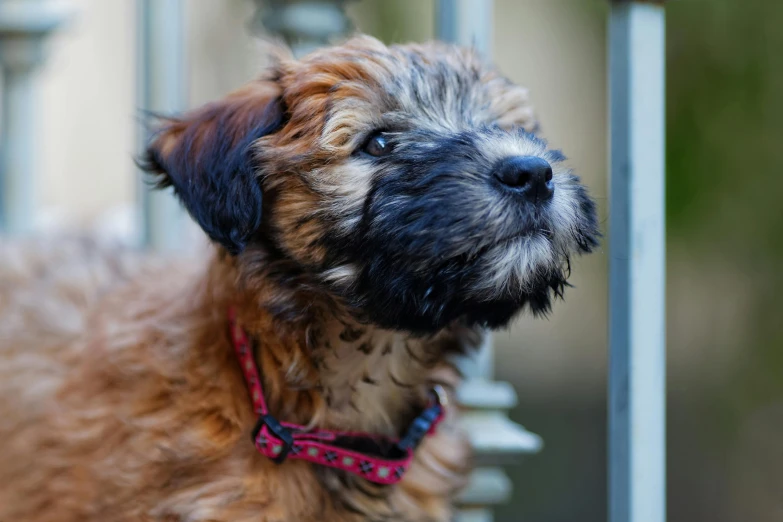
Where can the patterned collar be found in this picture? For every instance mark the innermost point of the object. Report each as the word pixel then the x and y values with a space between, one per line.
pixel 377 458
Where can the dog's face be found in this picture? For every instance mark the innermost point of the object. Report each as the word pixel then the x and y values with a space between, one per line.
pixel 404 181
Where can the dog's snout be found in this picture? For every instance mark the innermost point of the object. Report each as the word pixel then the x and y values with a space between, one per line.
pixel 530 176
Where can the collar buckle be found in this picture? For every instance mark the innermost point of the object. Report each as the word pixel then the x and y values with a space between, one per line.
pixel 277 450
pixel 426 420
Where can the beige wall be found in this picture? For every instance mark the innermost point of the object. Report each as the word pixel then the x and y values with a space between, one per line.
pixel 87 111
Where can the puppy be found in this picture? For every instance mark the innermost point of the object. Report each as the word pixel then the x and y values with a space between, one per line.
pixel 372 209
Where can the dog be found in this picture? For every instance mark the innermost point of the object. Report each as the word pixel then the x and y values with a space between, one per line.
pixel 373 210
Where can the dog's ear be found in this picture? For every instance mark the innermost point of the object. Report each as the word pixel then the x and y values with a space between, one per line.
pixel 207 156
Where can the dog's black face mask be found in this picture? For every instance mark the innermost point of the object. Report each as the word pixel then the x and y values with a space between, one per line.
pixel 404 181
pixel 450 231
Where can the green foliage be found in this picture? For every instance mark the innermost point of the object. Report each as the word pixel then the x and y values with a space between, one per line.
pixel 725 123
pixel 725 174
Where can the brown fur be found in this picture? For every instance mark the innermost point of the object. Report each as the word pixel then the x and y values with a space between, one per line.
pixel 122 400
pixel 120 395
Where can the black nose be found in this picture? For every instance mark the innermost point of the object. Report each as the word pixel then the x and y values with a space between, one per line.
pixel 529 176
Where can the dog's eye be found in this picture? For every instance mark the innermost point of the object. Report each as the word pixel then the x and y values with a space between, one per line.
pixel 378 145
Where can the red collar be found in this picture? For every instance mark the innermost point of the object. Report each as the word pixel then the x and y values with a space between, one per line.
pixel 374 457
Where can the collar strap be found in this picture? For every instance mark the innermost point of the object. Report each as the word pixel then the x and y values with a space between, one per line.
pixel 377 458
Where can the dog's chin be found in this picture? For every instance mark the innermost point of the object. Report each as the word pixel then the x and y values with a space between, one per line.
pixel 426 301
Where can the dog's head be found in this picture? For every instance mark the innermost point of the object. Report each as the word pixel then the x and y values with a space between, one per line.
pixel 405 181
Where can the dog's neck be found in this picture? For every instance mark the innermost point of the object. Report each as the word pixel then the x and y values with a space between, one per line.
pixel 321 367
pixel 374 379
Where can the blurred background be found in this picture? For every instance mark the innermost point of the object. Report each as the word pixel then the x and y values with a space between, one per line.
pixel 724 219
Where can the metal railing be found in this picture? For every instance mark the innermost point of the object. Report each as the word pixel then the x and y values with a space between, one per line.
pixel 161 89
pixel 24 26
pixel 637 330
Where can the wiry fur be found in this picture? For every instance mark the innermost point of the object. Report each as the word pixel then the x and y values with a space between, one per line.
pixel 357 276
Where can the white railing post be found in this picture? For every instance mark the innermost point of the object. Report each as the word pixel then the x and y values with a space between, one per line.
pixel 466 22
pixel 497 441
pixel 24 25
pixel 637 369
pixel 161 72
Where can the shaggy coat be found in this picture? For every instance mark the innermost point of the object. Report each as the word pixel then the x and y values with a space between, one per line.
pixel 361 237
